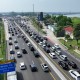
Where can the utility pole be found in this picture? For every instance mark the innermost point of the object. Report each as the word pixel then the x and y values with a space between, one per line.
pixel 33 10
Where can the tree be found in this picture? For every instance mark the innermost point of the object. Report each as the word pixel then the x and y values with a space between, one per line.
pixel 77 32
pixel 67 36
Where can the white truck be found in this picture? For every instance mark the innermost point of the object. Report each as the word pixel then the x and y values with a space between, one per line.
pixel 12 75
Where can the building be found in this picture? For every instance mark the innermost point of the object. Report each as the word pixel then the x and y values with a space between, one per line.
pixel 69 31
pixel 40 16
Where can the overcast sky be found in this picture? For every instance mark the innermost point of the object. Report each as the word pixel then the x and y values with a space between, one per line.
pixel 40 5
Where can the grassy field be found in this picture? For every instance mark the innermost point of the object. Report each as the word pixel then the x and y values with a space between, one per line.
pixel 75 20
pixel 71 48
pixel 2 47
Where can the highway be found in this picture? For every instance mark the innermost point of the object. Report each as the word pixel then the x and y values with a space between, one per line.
pixel 66 74
pixel 28 58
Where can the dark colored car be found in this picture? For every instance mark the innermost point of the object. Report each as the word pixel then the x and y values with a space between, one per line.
pixel 24 51
pixel 72 64
pixel 63 65
pixel 16 47
pixel 10 43
pixel 31 48
pixel 36 54
pixel 10 38
pixel 47 49
pixel 33 67
pixel 12 51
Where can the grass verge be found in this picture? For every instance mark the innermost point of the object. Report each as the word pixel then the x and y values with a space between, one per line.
pixel 71 48
pixel 2 47
pixel 37 27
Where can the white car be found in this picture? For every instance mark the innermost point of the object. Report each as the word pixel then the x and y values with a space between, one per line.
pixel 19 54
pixel 52 55
pixel 40 43
pixel 28 44
pixel 53 48
pixel 58 52
pixel 44 67
pixel 74 74
pixel 56 46
pixel 64 57
pixel 22 66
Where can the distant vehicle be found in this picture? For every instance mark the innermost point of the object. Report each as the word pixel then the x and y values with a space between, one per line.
pixel 10 43
pixel 52 55
pixel 24 51
pixel 36 54
pixel 63 57
pixel 12 51
pixel 57 46
pixel 58 52
pixel 72 64
pixel 10 38
pixel 16 47
pixel 31 48
pixel 12 75
pixel 45 67
pixel 33 67
pixel 63 65
pixel 22 66
pixel 53 48
pixel 15 41
pixel 19 54
pixel 74 74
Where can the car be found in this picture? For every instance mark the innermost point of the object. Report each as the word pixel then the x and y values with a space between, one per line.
pixel 53 48
pixel 10 38
pixel 24 51
pixel 46 49
pixel 28 44
pixel 16 47
pixel 52 55
pixel 10 43
pixel 19 54
pixel 64 57
pixel 22 66
pixel 72 64
pixel 58 52
pixel 36 54
pixel 63 65
pixel 44 67
pixel 15 41
pixel 74 74
pixel 26 41
pixel 31 48
pixel 40 43
pixel 57 46
pixel 12 51
pixel 12 34
pixel 33 67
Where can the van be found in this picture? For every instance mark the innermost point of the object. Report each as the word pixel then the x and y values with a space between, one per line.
pixel 63 57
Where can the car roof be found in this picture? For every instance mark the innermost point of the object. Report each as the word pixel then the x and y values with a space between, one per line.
pixel 75 72
pixel 21 63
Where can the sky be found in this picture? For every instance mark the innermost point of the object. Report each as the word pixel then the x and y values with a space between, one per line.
pixel 40 5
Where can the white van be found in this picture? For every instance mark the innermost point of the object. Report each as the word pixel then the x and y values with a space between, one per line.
pixel 52 55
pixel 63 57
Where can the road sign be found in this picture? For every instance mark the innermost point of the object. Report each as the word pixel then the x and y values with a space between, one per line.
pixel 7 67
